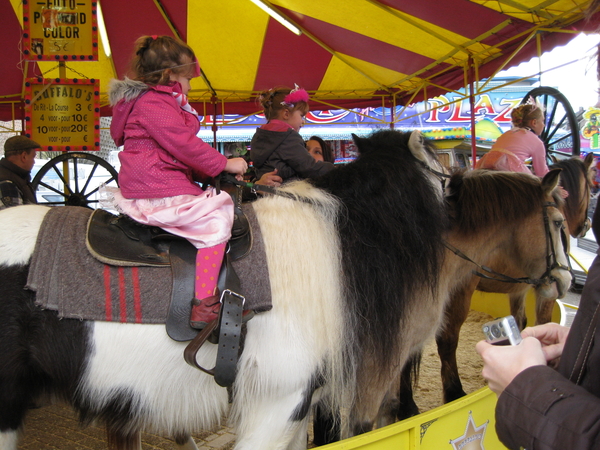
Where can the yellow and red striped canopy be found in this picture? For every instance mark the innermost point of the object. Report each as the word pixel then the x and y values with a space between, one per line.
pixel 351 53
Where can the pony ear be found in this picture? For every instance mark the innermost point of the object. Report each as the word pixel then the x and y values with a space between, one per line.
pixel 588 164
pixel 416 144
pixel 588 161
pixel 550 181
pixel 359 142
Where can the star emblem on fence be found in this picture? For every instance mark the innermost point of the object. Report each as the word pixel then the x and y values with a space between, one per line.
pixel 472 439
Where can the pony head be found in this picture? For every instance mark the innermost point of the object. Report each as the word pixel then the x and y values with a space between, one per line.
pixel 392 142
pixel 575 179
pixel 492 203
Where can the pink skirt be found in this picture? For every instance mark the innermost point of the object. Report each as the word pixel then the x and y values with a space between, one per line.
pixel 205 220
pixel 502 160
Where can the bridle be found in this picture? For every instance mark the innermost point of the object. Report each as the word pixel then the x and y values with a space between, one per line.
pixel 587 223
pixel 551 260
pixel 585 227
pixel 440 175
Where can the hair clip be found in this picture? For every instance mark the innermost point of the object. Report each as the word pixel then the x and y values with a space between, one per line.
pixel 154 37
pixel 296 95
pixel 197 71
pixel 533 102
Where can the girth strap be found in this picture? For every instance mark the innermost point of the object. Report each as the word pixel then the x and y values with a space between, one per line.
pixel 230 335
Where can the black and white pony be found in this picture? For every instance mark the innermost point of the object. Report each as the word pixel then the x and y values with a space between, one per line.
pixel 353 266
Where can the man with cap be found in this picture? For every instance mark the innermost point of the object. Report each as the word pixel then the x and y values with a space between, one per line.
pixel 15 171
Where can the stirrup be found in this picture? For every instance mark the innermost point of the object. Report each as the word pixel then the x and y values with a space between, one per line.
pixel 229 330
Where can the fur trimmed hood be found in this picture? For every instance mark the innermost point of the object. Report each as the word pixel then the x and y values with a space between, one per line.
pixel 125 90
pixel 125 94
pixel 122 95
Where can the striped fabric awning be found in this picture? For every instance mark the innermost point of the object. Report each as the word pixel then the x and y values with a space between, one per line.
pixel 351 53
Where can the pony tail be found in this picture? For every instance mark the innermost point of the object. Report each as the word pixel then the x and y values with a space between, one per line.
pixel 144 63
pixel 142 44
pixel 156 57
pixel 282 97
pixel 265 99
pixel 516 117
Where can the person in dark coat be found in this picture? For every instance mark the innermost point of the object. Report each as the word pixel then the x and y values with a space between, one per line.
pixel 541 407
pixel 277 146
pixel 15 171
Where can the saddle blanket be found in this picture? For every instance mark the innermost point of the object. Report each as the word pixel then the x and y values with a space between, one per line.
pixel 69 280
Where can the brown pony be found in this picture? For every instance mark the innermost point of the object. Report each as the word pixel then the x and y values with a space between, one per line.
pixel 512 218
pixel 575 180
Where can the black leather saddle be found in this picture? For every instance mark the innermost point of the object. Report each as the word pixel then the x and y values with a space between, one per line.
pixel 119 240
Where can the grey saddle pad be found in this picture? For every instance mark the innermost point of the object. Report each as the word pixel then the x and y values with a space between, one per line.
pixel 69 280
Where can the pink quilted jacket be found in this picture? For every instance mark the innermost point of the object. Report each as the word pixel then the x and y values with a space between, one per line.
pixel 162 156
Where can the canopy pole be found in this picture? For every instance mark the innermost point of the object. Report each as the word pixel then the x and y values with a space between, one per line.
pixel 471 82
pixel 62 73
pixel 213 99
pixel 598 74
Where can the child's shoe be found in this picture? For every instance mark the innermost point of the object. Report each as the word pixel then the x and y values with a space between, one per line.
pixel 204 311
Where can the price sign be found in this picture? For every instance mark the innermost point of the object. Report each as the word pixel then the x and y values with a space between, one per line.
pixel 60 30
pixel 63 114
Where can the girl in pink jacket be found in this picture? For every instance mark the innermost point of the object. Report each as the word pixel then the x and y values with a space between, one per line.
pixel 163 159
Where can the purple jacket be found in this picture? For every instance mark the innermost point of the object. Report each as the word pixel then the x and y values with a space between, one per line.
pixel 162 156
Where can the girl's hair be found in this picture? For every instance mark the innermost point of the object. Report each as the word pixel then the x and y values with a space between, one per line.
pixel 523 114
pixel 272 102
pixel 328 155
pixel 156 57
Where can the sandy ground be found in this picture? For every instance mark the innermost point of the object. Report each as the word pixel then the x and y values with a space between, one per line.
pixel 428 394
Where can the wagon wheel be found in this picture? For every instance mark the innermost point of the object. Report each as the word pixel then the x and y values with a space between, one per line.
pixel 79 187
pixel 561 131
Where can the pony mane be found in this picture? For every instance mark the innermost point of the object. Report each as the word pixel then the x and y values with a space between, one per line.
pixel 573 169
pixel 480 199
pixel 389 261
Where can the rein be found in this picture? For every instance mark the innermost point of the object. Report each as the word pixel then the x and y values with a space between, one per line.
pixel 551 261
pixel 255 188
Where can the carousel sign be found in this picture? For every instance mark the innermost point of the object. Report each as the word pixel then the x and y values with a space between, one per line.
pixel 56 30
pixel 63 114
